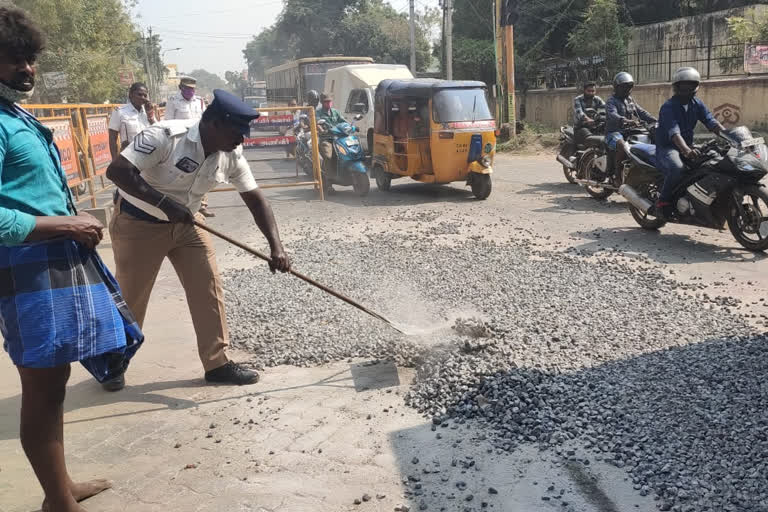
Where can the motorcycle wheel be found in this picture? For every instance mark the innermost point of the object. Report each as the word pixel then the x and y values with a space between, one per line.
pixel 481 186
pixel 598 193
pixel 361 184
pixel 570 174
pixel 751 228
pixel 642 219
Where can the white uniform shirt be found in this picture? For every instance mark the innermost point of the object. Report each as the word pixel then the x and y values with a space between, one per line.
pixel 128 122
pixel 179 108
pixel 171 159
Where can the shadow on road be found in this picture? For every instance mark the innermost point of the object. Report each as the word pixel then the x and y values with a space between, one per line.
pixel 666 247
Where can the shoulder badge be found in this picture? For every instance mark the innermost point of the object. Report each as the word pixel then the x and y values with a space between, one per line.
pixel 141 144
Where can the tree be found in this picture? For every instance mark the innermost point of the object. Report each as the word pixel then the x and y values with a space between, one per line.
pixel 600 33
pixel 207 82
pixel 752 27
pixel 236 82
pixel 89 40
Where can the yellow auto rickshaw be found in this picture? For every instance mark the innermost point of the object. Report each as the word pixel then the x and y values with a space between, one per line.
pixel 433 131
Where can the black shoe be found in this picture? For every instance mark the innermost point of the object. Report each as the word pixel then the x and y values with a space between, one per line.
pixel 232 373
pixel 115 384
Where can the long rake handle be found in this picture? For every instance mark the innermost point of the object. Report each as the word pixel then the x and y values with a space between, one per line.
pixel 301 276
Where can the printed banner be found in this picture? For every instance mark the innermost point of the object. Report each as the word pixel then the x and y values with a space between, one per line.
pixel 755 58
pixel 98 138
pixel 268 142
pixel 62 136
pixel 271 123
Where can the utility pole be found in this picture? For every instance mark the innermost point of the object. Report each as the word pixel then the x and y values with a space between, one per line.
pixel 413 37
pixel 449 39
pixel 507 10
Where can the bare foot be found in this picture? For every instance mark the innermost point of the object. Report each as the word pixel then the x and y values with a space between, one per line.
pixel 71 508
pixel 82 491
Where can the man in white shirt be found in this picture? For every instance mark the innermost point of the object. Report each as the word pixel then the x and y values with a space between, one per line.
pixel 186 104
pixel 130 119
pixel 162 177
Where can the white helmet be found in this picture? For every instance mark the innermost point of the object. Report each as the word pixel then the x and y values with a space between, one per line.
pixel 686 75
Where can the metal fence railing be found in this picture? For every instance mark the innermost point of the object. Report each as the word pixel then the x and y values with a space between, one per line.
pixel 646 66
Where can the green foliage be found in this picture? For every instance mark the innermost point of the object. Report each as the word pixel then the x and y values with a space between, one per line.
pixel 90 40
pixel 600 32
pixel 365 28
pixel 235 81
pixel 753 27
pixel 207 82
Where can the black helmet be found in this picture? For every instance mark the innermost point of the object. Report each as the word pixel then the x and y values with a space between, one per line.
pixel 313 98
pixel 623 78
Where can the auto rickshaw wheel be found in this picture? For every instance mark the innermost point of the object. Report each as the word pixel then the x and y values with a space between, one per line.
pixel 361 184
pixel 383 180
pixel 481 185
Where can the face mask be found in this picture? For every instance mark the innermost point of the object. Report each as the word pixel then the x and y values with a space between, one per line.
pixel 188 94
pixel 12 95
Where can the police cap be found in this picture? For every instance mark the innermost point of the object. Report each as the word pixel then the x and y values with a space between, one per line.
pixel 233 109
pixel 188 81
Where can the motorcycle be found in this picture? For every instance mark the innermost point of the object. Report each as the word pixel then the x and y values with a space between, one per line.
pixel 348 165
pixel 723 186
pixel 303 146
pixel 592 173
pixel 570 153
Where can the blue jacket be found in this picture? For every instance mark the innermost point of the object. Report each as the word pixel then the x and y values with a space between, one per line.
pixel 619 111
pixel 676 119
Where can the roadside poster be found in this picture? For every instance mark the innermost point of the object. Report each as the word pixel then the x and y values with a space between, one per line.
pixel 755 58
pixel 55 80
pixel 126 77
pixel 98 139
pixel 62 136
pixel 268 142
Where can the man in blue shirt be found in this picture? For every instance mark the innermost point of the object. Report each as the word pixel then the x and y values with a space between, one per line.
pixel 622 112
pixel 677 119
pixel 49 272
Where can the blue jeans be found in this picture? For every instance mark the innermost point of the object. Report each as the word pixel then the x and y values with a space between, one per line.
pixel 671 165
pixel 612 139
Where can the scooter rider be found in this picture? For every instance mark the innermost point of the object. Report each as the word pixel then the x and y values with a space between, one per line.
pixel 677 120
pixel 582 123
pixel 622 112
pixel 313 98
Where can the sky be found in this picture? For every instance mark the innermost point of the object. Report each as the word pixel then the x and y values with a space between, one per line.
pixel 212 34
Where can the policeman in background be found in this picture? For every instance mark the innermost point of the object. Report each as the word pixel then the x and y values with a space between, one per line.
pixel 130 119
pixel 186 104
pixel 162 176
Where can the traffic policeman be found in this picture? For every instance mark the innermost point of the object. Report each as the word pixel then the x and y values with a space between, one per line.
pixel 161 177
pixel 185 104
pixel 130 119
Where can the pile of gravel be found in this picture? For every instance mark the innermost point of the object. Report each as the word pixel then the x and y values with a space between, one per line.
pixel 547 348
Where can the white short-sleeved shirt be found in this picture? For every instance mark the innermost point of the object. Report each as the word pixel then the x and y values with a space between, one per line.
pixel 128 122
pixel 171 159
pixel 179 108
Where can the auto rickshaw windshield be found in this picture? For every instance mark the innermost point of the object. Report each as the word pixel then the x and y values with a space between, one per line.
pixel 456 105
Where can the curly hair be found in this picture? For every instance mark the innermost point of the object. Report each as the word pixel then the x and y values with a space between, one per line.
pixel 19 35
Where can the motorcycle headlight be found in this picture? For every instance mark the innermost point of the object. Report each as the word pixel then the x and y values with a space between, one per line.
pixel 486 161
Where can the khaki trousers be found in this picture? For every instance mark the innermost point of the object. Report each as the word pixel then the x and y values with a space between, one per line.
pixel 140 248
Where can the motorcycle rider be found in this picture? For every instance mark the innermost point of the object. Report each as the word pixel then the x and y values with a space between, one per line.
pixel 622 112
pixel 677 119
pixel 582 123
pixel 313 98
pixel 330 115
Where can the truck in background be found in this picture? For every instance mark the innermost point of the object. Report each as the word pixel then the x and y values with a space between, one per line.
pixel 353 88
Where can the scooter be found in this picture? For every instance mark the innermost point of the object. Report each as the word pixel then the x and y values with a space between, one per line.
pixel 303 146
pixel 348 167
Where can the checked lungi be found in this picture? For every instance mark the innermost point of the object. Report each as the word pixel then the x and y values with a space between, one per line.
pixel 59 304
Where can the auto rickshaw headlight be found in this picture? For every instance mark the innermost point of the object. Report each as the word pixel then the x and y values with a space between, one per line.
pixel 486 161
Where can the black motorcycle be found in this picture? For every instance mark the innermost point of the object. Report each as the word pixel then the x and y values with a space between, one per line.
pixel 570 153
pixel 722 186
pixel 593 173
